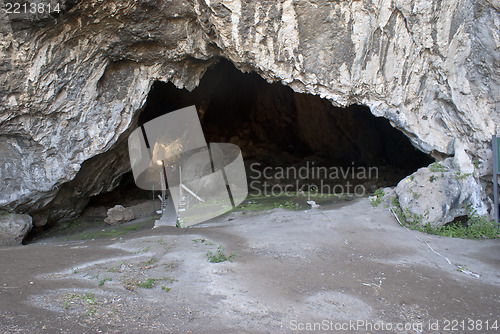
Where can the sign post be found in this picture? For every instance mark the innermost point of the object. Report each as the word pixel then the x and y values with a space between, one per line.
pixel 496 171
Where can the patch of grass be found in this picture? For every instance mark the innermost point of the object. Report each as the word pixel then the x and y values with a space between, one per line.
pixel 164 288
pixel 150 262
pixel 436 167
pixel 147 284
pixel 288 205
pixel 161 242
pixel 415 195
pixel 66 304
pixel 204 241
pixel 475 227
pixel 476 163
pixel 88 298
pixel 101 282
pixel 379 194
pixel 219 256
pixel 117 268
pixel 432 178
pixel 461 176
pixel 111 233
pixel 144 250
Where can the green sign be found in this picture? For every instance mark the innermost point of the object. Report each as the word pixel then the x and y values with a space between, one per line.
pixel 498 155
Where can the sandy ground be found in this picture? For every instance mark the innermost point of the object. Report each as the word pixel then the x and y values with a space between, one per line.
pixel 346 268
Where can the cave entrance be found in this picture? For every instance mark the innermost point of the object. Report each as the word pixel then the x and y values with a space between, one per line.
pixel 289 138
pixel 290 142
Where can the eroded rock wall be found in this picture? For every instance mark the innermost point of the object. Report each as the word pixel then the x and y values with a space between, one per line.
pixel 72 85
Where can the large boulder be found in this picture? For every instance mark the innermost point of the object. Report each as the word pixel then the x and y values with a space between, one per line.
pixel 119 214
pixel 13 228
pixel 439 193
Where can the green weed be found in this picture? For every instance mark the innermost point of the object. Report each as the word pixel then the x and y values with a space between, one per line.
pixel 461 176
pixel 415 195
pixel 219 256
pixel 288 205
pixel 144 250
pixel 88 298
pixel 147 284
pixel 436 167
pixel 204 241
pixel 101 282
pixel 379 194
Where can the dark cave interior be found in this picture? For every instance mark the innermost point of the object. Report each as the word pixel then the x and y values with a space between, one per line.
pixel 275 126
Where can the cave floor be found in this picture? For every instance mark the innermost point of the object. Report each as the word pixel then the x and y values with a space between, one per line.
pixel 344 265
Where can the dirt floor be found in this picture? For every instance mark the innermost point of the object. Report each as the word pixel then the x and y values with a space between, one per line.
pixel 345 267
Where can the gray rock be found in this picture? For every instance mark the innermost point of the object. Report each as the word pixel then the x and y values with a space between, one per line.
pixel 13 228
pixel 119 214
pixel 437 194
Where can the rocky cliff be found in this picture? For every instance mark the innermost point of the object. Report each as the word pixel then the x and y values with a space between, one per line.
pixel 72 83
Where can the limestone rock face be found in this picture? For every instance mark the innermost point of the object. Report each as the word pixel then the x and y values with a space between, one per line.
pixel 72 84
pixel 437 194
pixel 13 228
pixel 119 214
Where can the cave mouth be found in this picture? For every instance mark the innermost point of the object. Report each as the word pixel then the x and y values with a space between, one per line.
pixel 281 132
pixel 285 137
pixel 288 140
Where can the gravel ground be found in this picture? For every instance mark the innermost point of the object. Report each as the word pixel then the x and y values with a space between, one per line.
pixel 345 267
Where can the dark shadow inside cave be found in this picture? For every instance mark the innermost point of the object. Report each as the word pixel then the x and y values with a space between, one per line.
pixel 276 127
